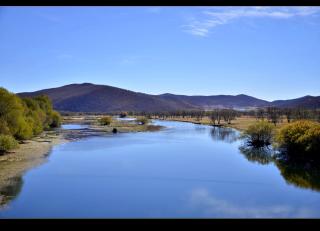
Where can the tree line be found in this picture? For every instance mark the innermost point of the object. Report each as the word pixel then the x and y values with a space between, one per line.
pixel 24 118
pixel 272 114
pixel 276 115
pixel 216 116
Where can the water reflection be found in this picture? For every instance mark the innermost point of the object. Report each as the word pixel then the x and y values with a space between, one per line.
pixel 303 174
pixel 10 191
pixel 262 155
pixel 200 129
pixel 209 205
pixel 228 135
pixel 74 126
pixel 298 172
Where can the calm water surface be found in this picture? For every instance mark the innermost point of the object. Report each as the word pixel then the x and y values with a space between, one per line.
pixel 185 170
pixel 73 126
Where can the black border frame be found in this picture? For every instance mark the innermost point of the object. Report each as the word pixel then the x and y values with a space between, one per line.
pixel 150 224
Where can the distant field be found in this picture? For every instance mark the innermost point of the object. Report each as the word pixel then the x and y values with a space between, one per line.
pixel 240 123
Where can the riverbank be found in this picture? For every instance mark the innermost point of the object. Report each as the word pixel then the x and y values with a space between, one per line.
pixel 30 153
pixel 240 123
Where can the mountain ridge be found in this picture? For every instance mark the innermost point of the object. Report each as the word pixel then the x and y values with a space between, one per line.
pixel 88 97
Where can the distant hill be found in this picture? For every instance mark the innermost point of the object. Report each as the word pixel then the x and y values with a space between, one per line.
pixel 89 97
pixel 218 101
pixel 306 101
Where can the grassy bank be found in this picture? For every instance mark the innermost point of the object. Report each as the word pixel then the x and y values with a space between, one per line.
pixel 240 123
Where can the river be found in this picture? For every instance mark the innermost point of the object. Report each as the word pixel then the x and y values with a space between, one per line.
pixel 183 171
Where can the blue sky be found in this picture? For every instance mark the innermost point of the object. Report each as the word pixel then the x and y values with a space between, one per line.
pixel 267 52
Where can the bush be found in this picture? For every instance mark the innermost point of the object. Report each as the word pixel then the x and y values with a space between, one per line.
pixel 55 119
pixel 259 134
pixel 143 120
pixel 300 137
pixel 4 127
pixel 123 114
pixel 7 142
pixel 106 120
pixel 24 130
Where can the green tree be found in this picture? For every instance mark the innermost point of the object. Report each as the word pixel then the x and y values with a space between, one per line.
pixel 12 112
pixel 27 117
pixel 259 134
pixel 7 142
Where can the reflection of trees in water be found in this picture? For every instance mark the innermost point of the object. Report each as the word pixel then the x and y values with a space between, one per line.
pixel 10 191
pixel 299 172
pixel 224 134
pixel 262 155
pixel 200 129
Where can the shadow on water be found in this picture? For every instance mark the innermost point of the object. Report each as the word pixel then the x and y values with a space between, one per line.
pixel 228 135
pixel 10 191
pixel 302 173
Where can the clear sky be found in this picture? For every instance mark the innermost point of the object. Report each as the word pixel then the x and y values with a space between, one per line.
pixel 266 52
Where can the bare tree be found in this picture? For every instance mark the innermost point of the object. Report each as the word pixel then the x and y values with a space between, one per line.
pixel 273 115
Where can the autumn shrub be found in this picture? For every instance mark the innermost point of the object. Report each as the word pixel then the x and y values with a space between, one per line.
pixel 7 142
pixel 143 120
pixel 55 119
pixel 300 138
pixel 106 120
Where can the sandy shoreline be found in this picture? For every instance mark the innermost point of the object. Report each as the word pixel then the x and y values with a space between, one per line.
pixel 29 154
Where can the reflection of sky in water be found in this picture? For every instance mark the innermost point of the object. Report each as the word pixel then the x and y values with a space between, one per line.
pixel 73 126
pixel 210 206
pixel 181 171
pixel 125 119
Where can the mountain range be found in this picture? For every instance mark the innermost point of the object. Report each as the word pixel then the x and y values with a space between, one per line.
pixel 87 97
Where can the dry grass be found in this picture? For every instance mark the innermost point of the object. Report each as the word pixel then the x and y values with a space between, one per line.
pixel 126 126
pixel 121 126
pixel 240 123
pixel 244 122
